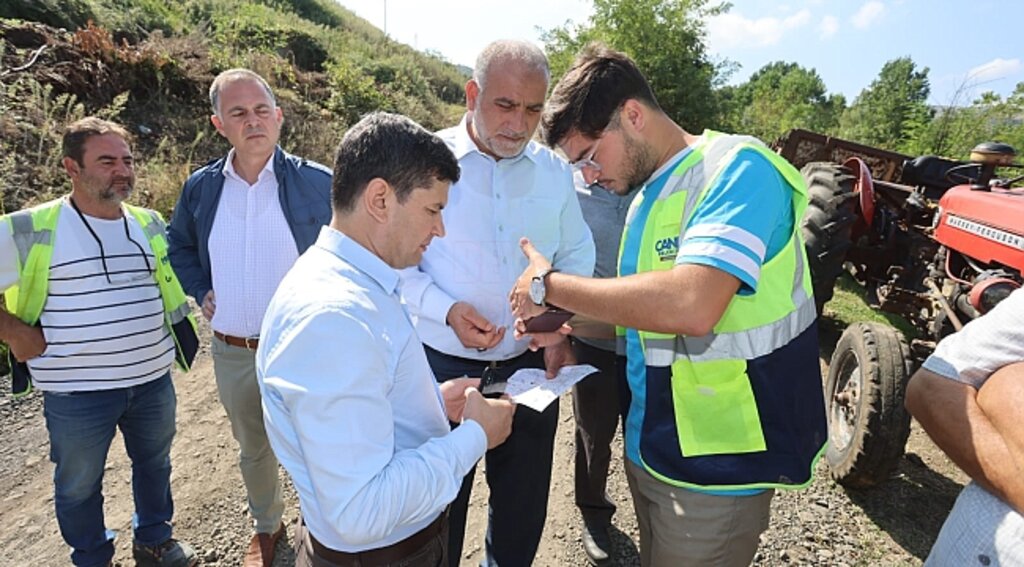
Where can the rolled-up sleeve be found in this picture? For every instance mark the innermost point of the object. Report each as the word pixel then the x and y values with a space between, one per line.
pixel 984 345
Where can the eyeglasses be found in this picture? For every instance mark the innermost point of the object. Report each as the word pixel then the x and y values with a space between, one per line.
pixel 588 161
pixel 117 277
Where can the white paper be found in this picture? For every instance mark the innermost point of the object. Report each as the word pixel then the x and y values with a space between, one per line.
pixel 531 388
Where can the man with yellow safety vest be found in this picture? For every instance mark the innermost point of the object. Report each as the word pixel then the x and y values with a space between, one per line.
pixel 97 315
pixel 714 309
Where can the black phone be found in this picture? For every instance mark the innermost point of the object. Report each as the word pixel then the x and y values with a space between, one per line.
pixel 548 321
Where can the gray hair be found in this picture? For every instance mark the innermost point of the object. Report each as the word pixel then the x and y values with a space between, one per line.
pixel 230 76
pixel 510 51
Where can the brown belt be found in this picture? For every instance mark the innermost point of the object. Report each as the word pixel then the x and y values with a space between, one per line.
pixel 382 555
pixel 244 342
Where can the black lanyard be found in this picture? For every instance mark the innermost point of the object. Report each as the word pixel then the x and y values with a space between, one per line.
pixel 103 257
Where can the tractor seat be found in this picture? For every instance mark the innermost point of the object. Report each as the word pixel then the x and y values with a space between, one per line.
pixel 930 172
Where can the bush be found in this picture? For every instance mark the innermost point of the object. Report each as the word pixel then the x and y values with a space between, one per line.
pixel 67 14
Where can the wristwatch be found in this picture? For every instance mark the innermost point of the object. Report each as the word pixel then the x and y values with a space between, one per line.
pixel 538 290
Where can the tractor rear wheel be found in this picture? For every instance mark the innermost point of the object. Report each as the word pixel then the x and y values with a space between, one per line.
pixel 827 224
pixel 867 423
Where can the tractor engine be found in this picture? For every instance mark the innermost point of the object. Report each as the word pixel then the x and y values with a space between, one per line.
pixel 980 228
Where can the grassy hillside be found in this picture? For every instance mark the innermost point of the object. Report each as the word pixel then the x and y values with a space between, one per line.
pixel 148 64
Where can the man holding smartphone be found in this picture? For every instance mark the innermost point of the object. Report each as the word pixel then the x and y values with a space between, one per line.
pixel 509 187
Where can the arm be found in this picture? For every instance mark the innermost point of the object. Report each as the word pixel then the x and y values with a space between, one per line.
pixel 183 246
pixel 340 432
pixel 949 412
pixel 26 341
pixel 427 300
pixel 1001 399
pixel 689 299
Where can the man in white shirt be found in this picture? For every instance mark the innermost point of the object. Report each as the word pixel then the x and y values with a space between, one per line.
pixel 351 407
pixel 510 187
pixel 97 315
pixel 968 397
pixel 238 227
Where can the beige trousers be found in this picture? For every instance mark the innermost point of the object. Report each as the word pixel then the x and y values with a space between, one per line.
pixel 235 369
pixel 680 527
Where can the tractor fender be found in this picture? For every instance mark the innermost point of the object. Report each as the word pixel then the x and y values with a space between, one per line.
pixel 863 186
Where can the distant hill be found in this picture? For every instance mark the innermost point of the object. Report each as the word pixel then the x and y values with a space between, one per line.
pixel 149 63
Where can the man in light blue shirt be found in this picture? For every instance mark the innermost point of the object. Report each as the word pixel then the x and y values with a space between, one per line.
pixel 595 401
pixel 351 408
pixel 510 187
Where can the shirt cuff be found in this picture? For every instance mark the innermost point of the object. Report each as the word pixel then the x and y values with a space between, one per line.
pixel 471 441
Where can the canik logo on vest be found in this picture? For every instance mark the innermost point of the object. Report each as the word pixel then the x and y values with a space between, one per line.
pixel 667 248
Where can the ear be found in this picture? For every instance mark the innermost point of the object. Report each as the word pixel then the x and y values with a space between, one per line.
pixel 472 92
pixel 378 200
pixel 279 114
pixel 71 167
pixel 215 120
pixel 634 114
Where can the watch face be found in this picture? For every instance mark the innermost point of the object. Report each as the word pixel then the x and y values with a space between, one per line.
pixel 537 291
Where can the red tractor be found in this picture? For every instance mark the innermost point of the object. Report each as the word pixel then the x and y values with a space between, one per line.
pixel 936 241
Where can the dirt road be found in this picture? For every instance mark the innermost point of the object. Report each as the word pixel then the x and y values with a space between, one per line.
pixel 824 525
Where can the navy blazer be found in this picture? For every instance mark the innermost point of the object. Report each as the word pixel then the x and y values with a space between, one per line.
pixel 304 188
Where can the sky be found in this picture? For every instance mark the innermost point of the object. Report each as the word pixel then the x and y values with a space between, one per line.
pixel 970 46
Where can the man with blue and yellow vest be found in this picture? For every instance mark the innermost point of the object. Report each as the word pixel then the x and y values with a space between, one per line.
pixel 714 312
pixel 94 309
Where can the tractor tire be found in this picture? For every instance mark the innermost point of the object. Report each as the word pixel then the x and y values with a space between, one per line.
pixel 867 422
pixel 827 225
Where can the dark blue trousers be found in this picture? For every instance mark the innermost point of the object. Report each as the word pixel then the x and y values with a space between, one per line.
pixel 518 472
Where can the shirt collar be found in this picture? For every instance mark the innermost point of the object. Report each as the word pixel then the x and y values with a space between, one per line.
pixel 229 167
pixel 344 247
pixel 671 164
pixel 463 144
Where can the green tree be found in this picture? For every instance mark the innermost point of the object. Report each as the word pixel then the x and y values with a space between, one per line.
pixel 666 39
pixel 781 96
pixel 892 111
pixel 958 128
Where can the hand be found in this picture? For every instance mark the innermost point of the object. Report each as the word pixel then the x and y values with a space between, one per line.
pixel 541 340
pixel 472 328
pixel 27 343
pixel 519 298
pixel 558 355
pixel 453 392
pixel 209 305
pixel 494 416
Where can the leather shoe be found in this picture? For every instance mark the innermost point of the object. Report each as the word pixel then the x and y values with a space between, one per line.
pixel 597 544
pixel 261 549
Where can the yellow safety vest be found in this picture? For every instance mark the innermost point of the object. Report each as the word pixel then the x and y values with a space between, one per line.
pixel 726 428
pixel 34 232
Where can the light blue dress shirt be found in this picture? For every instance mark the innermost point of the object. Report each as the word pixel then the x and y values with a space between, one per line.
pixel 351 407
pixel 493 204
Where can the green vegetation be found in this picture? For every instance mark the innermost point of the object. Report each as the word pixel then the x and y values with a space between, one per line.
pixel 149 63
pixel 667 39
pixel 848 306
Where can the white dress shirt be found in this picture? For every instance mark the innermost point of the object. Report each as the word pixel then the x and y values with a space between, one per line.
pixel 351 407
pixel 251 249
pixel 493 204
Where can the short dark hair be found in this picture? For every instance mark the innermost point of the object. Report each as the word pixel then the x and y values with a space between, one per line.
pixel 591 93
pixel 76 134
pixel 393 148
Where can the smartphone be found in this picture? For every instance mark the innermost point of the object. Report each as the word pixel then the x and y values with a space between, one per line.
pixel 548 321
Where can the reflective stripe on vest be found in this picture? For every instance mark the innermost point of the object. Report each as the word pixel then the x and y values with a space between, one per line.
pixel 715 409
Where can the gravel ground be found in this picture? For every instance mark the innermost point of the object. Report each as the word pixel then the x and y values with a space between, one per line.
pixel 822 525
